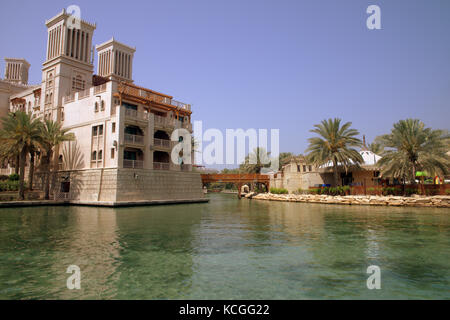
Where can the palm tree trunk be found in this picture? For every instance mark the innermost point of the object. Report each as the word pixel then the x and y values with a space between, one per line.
pixel 31 173
pixel 47 175
pixel 22 159
pixel 335 174
pixel 17 166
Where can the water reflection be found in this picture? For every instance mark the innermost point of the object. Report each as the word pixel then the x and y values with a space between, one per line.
pixel 227 249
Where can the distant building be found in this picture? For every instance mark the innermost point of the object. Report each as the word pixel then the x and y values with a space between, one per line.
pixel 299 174
pixel 123 147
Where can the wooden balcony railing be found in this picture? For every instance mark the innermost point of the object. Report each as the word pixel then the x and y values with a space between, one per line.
pixel 132 90
pixel 161 143
pixel 161 165
pixel 133 138
pixel 134 164
pixel 164 121
pixel 136 115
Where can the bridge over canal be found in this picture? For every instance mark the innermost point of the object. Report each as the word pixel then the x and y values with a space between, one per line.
pixel 238 179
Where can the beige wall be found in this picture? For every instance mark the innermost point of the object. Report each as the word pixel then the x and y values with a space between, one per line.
pixel 131 185
pixel 7 90
pixel 297 175
pixel 80 117
pixel 292 179
pixel 364 177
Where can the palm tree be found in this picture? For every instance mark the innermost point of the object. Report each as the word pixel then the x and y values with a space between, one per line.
pixel 334 145
pixel 52 135
pixel 376 148
pixel 8 154
pixel 22 133
pixel 255 161
pixel 32 151
pixel 412 147
pixel 284 158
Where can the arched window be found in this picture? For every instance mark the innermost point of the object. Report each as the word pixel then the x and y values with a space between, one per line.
pixel 96 106
pixel 94 155
pixel 60 161
pixel 100 155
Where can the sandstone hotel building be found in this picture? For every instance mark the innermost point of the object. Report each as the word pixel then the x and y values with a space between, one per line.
pixel 122 148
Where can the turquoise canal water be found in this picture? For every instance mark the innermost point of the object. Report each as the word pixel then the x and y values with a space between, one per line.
pixel 226 249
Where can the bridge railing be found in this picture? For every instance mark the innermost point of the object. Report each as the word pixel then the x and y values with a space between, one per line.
pixel 235 177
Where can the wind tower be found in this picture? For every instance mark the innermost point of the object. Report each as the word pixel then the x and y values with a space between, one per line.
pixel 16 70
pixel 115 61
pixel 68 66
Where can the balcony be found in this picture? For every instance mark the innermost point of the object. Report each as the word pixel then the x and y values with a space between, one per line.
pixel 133 164
pixel 164 122
pixel 150 95
pixel 133 139
pixel 161 165
pixel 163 143
pixel 135 115
pixel 184 125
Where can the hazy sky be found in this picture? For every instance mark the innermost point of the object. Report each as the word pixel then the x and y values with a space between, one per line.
pixel 269 64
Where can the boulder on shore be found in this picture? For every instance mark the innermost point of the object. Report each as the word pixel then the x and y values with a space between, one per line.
pixel 421 201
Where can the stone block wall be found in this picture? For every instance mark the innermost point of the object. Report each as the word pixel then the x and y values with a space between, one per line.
pixel 90 184
pixel 129 185
pixel 145 184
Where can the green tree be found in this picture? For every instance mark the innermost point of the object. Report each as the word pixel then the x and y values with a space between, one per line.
pixel 230 171
pixel 8 154
pixel 284 159
pixel 52 136
pixel 334 145
pixel 412 147
pixel 376 148
pixel 255 161
pixel 22 133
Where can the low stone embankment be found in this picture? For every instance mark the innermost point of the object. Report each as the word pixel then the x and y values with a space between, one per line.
pixel 413 201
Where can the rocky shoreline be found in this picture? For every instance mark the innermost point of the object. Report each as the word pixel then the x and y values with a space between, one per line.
pixel 413 201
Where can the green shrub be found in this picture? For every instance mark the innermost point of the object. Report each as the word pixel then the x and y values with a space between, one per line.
pixel 431 192
pixel 13 177
pixel 331 191
pixel 389 191
pixel 411 191
pixel 9 185
pixel 278 191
